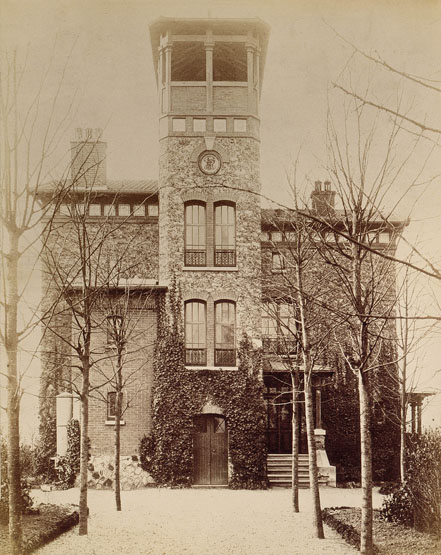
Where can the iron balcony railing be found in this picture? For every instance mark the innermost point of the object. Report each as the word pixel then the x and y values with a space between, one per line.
pixel 279 346
pixel 224 257
pixel 195 257
pixel 225 357
pixel 196 357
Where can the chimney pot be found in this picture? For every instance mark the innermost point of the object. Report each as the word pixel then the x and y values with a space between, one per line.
pixel 89 135
pixel 98 134
pixel 79 134
pixel 323 198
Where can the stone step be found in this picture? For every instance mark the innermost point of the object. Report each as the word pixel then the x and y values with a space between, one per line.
pixel 279 470
pixel 285 456
pixel 286 463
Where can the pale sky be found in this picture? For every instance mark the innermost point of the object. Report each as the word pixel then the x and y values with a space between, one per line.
pixel 110 66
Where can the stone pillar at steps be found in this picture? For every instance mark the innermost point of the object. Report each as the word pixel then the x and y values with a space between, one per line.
pixel 324 468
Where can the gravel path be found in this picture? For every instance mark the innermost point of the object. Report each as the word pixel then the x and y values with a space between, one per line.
pixel 200 522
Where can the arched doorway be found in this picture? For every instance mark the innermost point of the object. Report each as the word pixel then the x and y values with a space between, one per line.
pixel 210 450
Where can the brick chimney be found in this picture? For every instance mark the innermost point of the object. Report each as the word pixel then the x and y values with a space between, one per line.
pixel 89 158
pixel 323 198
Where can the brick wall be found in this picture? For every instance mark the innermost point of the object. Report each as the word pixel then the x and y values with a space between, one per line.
pixel 134 246
pixel 138 376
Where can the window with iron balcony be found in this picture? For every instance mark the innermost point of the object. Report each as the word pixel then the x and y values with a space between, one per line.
pixel 210 341
pixel 195 333
pixel 225 234
pixel 280 331
pixel 225 334
pixel 210 234
pixel 195 234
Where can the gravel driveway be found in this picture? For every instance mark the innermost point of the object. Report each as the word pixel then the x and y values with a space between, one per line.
pixel 200 522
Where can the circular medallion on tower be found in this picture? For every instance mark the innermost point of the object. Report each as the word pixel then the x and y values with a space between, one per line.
pixel 209 162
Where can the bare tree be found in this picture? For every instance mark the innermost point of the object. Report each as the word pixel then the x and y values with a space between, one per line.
pixel 28 138
pixel 367 280
pixel 124 311
pixel 308 328
pixel 367 97
pixel 83 259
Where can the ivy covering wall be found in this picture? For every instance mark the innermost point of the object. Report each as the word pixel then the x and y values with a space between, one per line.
pixel 180 394
pixel 342 421
pixel 51 384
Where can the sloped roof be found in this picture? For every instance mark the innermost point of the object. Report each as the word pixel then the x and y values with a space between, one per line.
pixel 132 186
pixel 280 216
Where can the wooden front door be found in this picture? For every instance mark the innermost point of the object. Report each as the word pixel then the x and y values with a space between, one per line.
pixel 210 450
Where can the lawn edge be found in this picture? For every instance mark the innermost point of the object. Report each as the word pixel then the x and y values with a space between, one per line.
pixel 65 523
pixel 348 532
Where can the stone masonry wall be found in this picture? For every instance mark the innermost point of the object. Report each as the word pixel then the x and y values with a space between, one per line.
pixel 101 473
pixel 181 180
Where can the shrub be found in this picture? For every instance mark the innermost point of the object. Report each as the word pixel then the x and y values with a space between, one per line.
pixel 44 467
pixel 147 453
pixel 67 467
pixel 398 507
pixel 26 501
pixel 417 502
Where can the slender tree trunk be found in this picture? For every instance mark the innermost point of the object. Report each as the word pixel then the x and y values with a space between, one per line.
pixel 295 440
pixel 14 473
pixel 84 451
pixel 13 403
pixel 366 539
pixel 403 397
pixel 309 415
pixel 403 418
pixel 313 472
pixel 117 450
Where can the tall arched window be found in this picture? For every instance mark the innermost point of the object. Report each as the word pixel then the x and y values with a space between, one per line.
pixel 225 334
pixel 195 234
pixel 225 234
pixel 195 333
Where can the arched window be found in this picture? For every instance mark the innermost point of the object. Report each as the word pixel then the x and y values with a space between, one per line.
pixel 195 333
pixel 225 334
pixel 195 234
pixel 225 234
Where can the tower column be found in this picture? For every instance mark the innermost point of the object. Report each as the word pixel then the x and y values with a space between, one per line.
pixel 168 53
pixel 419 419
pixel 257 80
pixel 209 47
pixel 160 80
pixel 250 76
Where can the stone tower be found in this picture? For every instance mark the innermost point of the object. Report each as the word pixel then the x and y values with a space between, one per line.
pixel 209 75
